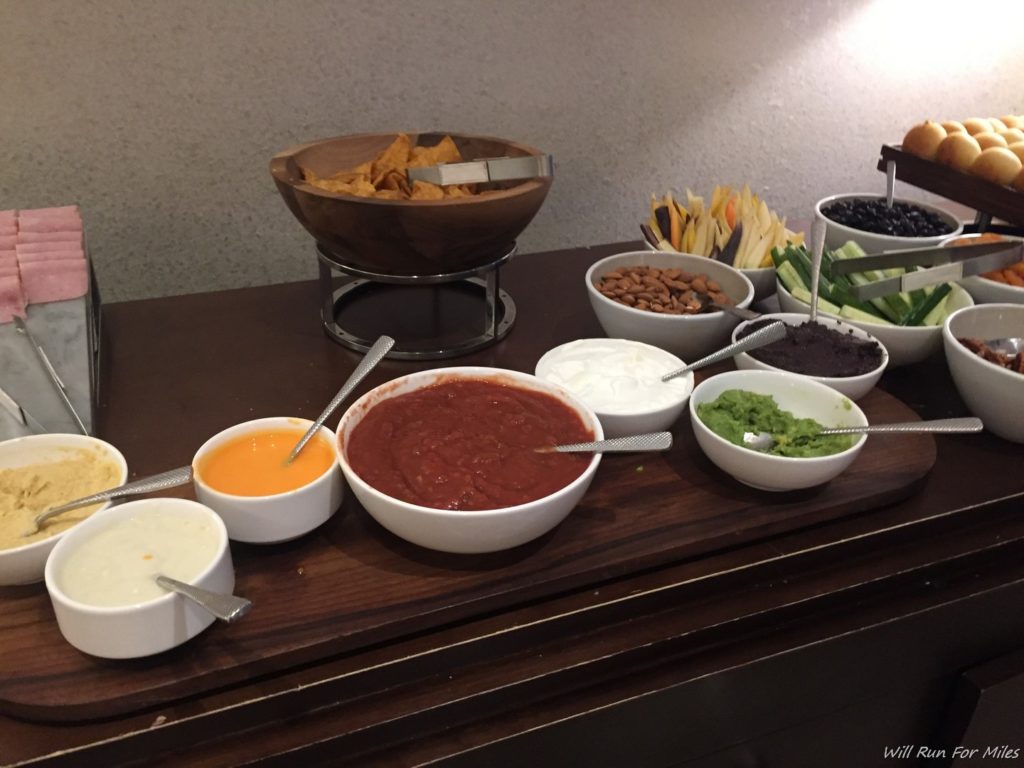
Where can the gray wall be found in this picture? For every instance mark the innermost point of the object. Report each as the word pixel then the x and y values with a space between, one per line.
pixel 159 118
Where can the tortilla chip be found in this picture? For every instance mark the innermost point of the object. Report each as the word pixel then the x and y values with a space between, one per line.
pixel 389 194
pixel 424 190
pixel 363 169
pixel 395 180
pixel 394 158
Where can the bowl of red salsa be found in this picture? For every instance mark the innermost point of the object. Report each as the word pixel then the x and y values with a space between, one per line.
pixel 447 459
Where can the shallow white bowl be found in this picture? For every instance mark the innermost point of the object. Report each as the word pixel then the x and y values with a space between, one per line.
pixel 985 291
pixel 142 629
pixel 796 394
pixel 281 516
pixel 854 387
pixel 637 416
pixel 762 279
pixel 992 393
pixel 24 565
pixel 466 532
pixel 688 336
pixel 837 234
pixel 905 345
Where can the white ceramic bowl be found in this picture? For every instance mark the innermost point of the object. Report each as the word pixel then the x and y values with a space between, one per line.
pixel 854 387
pixel 281 516
pixel 690 337
pixel 24 565
pixel 985 291
pixel 145 628
pixel 466 531
pixel 762 279
pixel 797 394
pixel 635 411
pixel 992 393
pixel 905 345
pixel 837 234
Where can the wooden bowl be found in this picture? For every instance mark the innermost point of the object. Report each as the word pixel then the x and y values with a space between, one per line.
pixel 407 237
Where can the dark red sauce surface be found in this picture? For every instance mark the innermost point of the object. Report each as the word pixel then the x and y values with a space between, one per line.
pixel 467 444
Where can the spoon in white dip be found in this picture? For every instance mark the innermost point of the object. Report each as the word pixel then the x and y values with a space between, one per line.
pixel 227 608
pixel 654 441
pixel 765 441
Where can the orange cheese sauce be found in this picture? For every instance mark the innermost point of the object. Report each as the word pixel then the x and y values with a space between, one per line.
pixel 254 464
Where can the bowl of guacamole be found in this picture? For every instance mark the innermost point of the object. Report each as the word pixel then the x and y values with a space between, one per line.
pixel 793 409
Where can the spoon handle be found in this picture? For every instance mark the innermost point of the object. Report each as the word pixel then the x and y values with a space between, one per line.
pixel 949 426
pixel 227 608
pixel 160 482
pixel 766 335
pixel 373 356
pixel 817 247
pixel 654 441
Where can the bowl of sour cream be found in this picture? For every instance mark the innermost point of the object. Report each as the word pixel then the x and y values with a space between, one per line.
pixel 101 576
pixel 621 381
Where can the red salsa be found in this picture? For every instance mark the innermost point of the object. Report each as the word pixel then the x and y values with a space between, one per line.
pixel 467 444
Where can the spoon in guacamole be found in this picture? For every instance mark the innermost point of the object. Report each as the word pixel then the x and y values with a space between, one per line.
pixel 765 441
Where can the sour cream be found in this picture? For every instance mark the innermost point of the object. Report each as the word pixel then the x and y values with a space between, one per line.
pixel 616 376
pixel 118 564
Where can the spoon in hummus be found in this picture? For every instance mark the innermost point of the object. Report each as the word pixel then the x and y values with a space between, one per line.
pixel 765 441
pixel 653 441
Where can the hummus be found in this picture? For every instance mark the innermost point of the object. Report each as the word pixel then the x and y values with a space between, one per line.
pixel 736 411
pixel 28 490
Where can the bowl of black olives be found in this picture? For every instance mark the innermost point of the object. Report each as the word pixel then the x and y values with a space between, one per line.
pixel 876 227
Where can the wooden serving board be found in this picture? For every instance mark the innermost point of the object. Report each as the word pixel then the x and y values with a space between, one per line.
pixel 351 583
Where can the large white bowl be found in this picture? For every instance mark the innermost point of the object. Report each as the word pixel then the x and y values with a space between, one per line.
pixel 146 628
pixel 688 336
pixel 24 565
pixel 837 234
pixel 985 291
pixel 992 393
pixel 797 394
pixel 280 516
pixel 905 344
pixel 464 531
pixel 762 279
pixel 854 387
pixel 637 416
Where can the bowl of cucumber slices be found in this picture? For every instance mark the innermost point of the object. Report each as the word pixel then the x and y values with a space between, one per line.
pixel 908 324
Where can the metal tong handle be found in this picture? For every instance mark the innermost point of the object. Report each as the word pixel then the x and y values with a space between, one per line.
pixel 227 608
pixel 162 481
pixel 373 356
pixel 759 338
pixel 947 426
pixel 653 441
pixel 55 379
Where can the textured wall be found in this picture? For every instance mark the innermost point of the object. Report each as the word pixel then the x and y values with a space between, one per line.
pixel 159 116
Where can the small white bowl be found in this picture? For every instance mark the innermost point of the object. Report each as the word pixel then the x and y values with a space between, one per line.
pixel 906 345
pixel 24 565
pixel 982 289
pixel 688 336
pixel 992 393
pixel 463 531
pixel 797 394
pixel 280 516
pixel 762 279
pixel 837 234
pixel 145 628
pixel 854 387
pixel 643 404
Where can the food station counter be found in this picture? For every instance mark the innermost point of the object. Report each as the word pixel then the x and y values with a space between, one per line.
pixel 675 616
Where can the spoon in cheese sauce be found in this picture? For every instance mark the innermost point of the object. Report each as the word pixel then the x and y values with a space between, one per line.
pixel 227 608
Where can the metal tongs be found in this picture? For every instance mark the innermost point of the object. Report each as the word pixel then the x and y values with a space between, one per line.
pixel 483 170
pixel 954 262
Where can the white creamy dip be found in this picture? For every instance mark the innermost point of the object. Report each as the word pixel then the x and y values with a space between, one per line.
pixel 118 565
pixel 616 376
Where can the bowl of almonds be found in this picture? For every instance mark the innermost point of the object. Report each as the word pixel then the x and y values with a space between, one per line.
pixel 669 300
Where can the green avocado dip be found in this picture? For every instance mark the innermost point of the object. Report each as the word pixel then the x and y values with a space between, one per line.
pixel 736 411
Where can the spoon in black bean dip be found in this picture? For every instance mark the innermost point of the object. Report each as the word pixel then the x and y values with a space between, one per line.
pixel 813 349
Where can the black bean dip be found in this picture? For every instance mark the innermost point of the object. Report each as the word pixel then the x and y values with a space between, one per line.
pixel 816 350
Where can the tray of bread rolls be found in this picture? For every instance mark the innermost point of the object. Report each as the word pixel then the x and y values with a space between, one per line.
pixel 978 162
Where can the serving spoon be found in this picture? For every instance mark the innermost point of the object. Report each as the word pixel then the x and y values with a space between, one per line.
pixel 759 338
pixel 1011 345
pixel 765 441
pixel 653 441
pixel 373 356
pixel 227 608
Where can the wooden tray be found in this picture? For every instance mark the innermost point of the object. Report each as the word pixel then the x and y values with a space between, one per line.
pixel 351 583
pixel 981 195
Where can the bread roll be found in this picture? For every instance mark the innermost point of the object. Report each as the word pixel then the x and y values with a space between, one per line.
pixel 1018 149
pixel 923 139
pixel 1012 135
pixel 954 126
pixel 977 125
pixel 1012 121
pixel 998 165
pixel 990 139
pixel 958 150
pixel 997 125
pixel 1018 183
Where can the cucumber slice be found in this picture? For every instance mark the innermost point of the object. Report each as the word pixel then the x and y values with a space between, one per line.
pixel 824 305
pixel 790 278
pixel 852 313
pixel 922 312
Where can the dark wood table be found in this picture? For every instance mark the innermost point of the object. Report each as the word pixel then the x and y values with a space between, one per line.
pixel 821 644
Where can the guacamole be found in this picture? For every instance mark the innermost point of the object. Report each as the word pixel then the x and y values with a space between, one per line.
pixel 736 411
